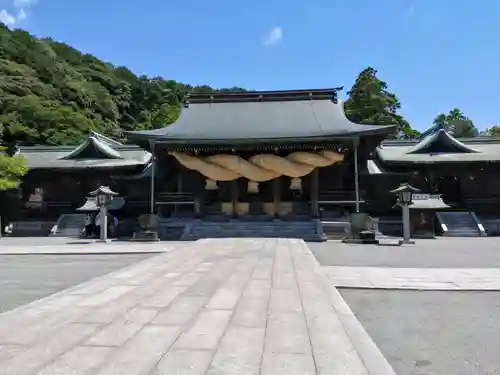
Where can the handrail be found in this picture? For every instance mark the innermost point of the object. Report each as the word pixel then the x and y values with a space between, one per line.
pixel 442 224
pixel 482 231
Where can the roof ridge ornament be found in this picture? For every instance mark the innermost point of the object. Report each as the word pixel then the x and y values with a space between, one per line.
pixel 93 145
pixel 440 142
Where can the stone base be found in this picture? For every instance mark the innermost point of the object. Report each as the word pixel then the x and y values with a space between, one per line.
pixel 359 241
pixel 145 236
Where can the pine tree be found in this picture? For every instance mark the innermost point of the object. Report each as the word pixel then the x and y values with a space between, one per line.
pixel 370 103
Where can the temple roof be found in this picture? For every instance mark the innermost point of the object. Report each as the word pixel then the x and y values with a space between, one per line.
pixel 97 151
pixel 440 147
pixel 260 116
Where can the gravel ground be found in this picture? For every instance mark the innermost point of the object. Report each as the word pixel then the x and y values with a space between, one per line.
pixel 432 332
pixel 439 253
pixel 26 278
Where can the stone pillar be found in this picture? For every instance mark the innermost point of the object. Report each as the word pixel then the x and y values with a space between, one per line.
pixel 315 193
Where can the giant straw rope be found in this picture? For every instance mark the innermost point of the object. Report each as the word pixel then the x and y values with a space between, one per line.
pixel 260 167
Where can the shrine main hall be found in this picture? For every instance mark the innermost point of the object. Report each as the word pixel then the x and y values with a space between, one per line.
pixel 261 164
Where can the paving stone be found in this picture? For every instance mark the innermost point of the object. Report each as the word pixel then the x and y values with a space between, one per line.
pixel 204 267
pixel 286 333
pixel 251 312
pixel 225 299
pixel 164 297
pixel 79 361
pixel 285 301
pixel 43 328
pixel 40 355
pixel 258 288
pixel 142 352
pixel 107 295
pixel 206 330
pixel 288 364
pixel 181 311
pixel 184 362
pixel 123 329
pixel 262 271
pixel 284 280
pixel 187 279
pixel 8 351
pixel 240 352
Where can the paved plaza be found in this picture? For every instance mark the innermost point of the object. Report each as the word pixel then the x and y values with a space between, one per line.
pixel 209 307
pixel 443 252
pixel 26 278
pixel 249 306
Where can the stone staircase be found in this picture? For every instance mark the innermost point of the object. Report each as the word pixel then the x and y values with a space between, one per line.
pixel 459 224
pixel 68 225
pixel 308 230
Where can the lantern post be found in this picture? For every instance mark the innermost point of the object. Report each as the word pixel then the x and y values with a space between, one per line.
pixel 405 199
pixel 104 195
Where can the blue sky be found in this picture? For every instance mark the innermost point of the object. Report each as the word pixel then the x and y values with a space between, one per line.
pixel 434 54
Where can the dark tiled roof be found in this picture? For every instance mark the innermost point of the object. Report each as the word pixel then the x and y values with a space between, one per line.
pixel 96 152
pixel 440 147
pixel 260 116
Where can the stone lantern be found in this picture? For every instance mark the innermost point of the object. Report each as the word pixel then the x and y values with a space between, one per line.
pixel 405 198
pixel 104 195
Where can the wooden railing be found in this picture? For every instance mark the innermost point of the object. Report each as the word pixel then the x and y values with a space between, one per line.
pixel 164 198
pixel 339 197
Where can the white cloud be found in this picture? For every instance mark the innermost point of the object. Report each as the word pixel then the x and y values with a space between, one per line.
pixel 24 3
pixel 274 36
pixel 7 18
pixel 21 15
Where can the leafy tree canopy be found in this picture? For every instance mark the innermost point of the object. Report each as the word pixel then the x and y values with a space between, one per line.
pixel 493 131
pixel 370 103
pixel 12 168
pixel 53 94
pixel 456 123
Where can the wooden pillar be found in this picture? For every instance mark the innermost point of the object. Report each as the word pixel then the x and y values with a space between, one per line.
pixel 356 173
pixel 179 189
pixel 198 197
pixel 315 193
pixel 153 178
pixel 234 197
pixel 276 196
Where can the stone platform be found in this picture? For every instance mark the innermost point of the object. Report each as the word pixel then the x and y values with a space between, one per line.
pixel 472 279
pixel 245 306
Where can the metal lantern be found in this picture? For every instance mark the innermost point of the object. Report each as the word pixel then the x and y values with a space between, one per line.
pixel 405 193
pixel 405 197
pixel 104 195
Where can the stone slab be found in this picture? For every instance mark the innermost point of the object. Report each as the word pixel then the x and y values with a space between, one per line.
pixel 415 278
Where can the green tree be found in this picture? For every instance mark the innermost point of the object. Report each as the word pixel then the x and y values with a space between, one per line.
pixel 370 103
pixel 12 168
pixel 493 131
pixel 456 123
pixel 51 93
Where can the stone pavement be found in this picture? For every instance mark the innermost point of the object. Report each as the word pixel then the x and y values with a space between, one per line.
pixel 211 307
pixel 49 245
pixel 415 278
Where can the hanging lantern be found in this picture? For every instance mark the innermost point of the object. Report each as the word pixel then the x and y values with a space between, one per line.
pixel 211 185
pixel 296 184
pixel 253 187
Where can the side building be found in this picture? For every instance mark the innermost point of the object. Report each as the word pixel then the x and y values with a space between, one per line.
pixel 60 177
pixel 465 173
